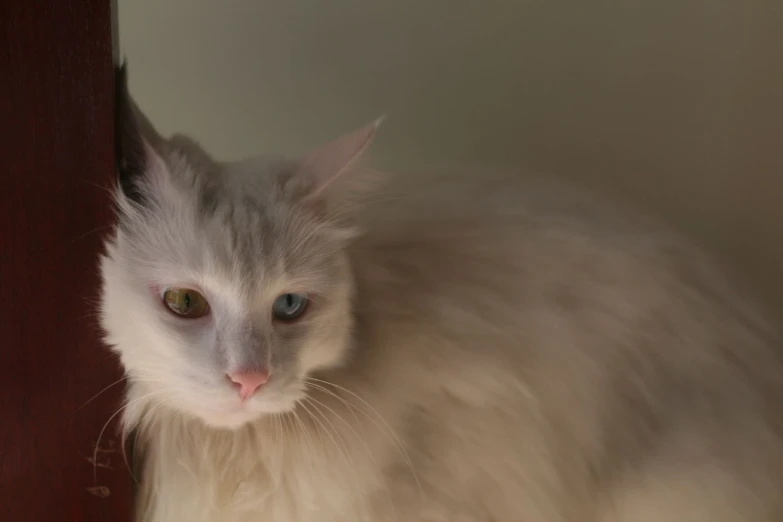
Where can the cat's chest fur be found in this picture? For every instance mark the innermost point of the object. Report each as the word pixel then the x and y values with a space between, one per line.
pixel 314 466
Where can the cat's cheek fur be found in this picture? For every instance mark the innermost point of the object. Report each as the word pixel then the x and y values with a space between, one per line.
pixel 328 337
pixel 327 352
pixel 152 355
pixel 123 309
pixel 330 341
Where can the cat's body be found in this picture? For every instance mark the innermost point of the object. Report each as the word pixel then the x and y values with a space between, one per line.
pixel 508 355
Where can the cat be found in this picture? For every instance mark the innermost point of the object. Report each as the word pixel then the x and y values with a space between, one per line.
pixel 464 347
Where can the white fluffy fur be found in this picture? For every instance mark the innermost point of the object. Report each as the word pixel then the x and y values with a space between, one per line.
pixel 489 352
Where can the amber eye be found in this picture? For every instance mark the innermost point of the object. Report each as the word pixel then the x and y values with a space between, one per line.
pixel 185 302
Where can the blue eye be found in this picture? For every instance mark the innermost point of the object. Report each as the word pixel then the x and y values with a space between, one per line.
pixel 289 307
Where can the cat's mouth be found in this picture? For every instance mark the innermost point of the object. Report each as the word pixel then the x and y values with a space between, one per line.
pixel 236 413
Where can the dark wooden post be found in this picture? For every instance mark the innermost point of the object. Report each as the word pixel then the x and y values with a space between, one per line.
pixel 56 161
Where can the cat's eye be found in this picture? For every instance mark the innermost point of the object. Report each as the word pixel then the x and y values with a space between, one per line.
pixel 185 302
pixel 289 307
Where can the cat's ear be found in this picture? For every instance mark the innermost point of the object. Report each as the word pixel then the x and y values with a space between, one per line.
pixel 326 163
pixel 135 142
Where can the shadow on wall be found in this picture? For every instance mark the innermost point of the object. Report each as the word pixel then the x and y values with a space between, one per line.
pixel 678 103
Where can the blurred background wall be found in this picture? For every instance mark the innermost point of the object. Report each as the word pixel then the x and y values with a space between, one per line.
pixel 675 103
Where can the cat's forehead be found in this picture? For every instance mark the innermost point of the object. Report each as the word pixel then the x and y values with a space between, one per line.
pixel 231 222
pixel 237 253
pixel 209 185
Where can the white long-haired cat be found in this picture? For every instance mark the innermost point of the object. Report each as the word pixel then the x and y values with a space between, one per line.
pixel 465 348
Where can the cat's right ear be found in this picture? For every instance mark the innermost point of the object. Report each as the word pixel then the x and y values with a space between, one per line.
pixel 136 142
pixel 329 162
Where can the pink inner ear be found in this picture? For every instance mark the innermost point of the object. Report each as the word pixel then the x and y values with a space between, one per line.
pixel 328 162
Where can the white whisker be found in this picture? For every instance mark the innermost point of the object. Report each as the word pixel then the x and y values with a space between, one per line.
pixel 363 442
pixel 385 428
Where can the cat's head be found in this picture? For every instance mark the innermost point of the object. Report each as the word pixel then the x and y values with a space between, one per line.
pixel 225 285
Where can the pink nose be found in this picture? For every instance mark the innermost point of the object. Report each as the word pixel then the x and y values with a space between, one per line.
pixel 249 382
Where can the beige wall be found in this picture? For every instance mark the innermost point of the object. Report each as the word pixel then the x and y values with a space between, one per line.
pixel 676 102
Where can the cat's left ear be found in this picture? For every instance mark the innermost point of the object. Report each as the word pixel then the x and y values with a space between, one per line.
pixel 327 163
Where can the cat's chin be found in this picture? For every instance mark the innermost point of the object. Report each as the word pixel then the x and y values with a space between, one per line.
pixel 231 420
pixel 234 419
pixel 240 415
